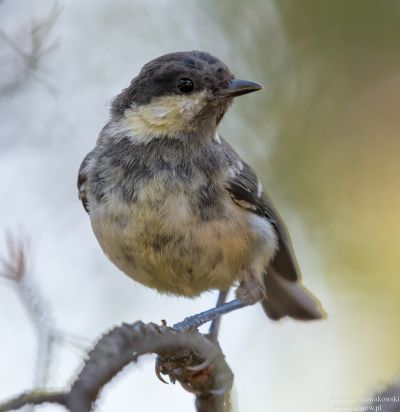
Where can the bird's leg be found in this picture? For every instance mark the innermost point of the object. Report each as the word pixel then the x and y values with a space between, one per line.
pixel 201 318
pixel 250 291
pixel 214 327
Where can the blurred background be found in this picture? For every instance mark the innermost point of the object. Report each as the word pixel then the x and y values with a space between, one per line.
pixel 323 136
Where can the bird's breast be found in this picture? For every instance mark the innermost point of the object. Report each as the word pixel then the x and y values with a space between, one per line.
pixel 177 239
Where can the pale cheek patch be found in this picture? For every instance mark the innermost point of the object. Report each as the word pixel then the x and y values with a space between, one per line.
pixel 164 115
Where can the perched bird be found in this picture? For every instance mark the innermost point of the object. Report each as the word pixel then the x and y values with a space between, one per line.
pixel 173 205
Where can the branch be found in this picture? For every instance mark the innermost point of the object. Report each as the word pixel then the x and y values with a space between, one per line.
pixel 179 356
pixel 32 398
pixel 14 270
pixel 40 44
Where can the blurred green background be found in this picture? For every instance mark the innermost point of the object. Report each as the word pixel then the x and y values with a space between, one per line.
pixel 333 95
pixel 334 102
pixel 324 137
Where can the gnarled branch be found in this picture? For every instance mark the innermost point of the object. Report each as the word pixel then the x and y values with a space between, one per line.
pixel 187 357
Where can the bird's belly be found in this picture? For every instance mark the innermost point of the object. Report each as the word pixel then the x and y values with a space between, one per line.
pixel 171 249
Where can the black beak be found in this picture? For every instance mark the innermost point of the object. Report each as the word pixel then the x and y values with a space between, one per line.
pixel 238 87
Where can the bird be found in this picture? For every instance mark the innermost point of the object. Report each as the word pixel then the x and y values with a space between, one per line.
pixel 173 205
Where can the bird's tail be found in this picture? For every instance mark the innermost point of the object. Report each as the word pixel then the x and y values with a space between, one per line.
pixel 289 298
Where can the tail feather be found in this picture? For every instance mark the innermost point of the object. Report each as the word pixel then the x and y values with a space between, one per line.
pixel 289 298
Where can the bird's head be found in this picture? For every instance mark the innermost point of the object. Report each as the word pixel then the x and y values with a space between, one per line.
pixel 177 94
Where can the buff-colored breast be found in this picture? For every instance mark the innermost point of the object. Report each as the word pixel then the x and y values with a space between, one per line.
pixel 162 243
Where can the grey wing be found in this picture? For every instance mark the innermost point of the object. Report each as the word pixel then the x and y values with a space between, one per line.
pixel 83 182
pixel 245 189
pixel 286 296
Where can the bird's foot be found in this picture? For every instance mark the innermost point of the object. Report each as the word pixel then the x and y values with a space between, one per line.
pixel 251 289
pixel 186 367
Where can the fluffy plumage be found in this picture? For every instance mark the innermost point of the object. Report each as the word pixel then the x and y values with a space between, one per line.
pixel 173 205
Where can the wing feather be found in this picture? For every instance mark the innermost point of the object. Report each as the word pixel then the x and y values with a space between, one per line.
pixel 83 181
pixel 246 191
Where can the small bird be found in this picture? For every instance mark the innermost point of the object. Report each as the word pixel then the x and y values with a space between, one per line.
pixel 174 206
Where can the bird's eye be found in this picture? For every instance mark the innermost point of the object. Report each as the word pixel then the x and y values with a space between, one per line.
pixel 185 85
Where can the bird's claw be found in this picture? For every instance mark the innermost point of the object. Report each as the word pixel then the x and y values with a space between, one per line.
pixel 201 366
pixel 159 370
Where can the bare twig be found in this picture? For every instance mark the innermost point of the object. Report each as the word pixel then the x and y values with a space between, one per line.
pixel 33 398
pixel 14 269
pixel 211 381
pixel 39 45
